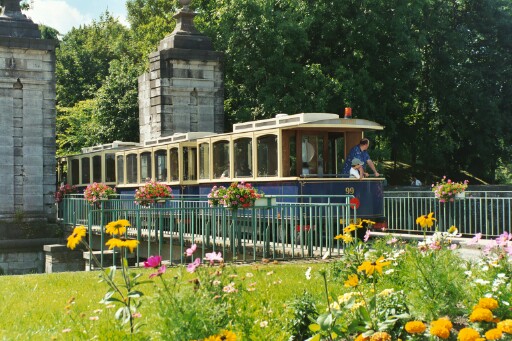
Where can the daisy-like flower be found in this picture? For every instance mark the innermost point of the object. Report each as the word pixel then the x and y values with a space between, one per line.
pixel 426 221
pixel 78 233
pixel 347 237
pixel 227 335
pixel 190 251
pixel 153 262
pixel 349 228
pixel 352 281
pixel 370 267
pixel 308 273
pixel 130 244
pixel 192 266
pixel 212 257
pixel 160 272
pixel 117 227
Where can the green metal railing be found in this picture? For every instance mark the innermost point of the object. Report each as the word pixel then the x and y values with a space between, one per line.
pixel 486 212
pixel 280 229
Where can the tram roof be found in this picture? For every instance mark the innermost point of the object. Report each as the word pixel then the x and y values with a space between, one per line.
pixel 307 120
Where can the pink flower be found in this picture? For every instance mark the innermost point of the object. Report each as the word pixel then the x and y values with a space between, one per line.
pixel 190 251
pixel 192 266
pixel 212 257
pixel 160 272
pixel 508 250
pixel 366 236
pixel 475 239
pixel 153 262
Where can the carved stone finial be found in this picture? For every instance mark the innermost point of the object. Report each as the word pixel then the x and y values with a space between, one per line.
pixel 185 3
pixel 12 8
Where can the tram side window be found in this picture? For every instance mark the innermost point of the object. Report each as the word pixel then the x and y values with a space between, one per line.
pixel 267 155
pixel 221 160
pixel 204 164
pixel 174 164
pixel 96 168
pixel 110 168
pixel 161 165
pixel 145 166
pixel 243 157
pixel 131 168
pixel 120 169
pixel 75 172
pixel 86 170
pixel 189 163
pixel 312 154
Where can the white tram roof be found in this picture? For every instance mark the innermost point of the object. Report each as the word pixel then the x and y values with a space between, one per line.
pixel 178 137
pixel 317 119
pixel 114 145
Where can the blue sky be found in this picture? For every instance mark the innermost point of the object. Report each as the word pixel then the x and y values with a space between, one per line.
pixel 65 14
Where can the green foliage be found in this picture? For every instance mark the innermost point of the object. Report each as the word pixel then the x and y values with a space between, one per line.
pixel 304 311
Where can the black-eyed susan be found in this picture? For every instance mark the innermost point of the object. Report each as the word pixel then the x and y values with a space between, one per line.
pixel 113 242
pixel 227 335
pixel 370 267
pixel 347 237
pixel 426 221
pixel 352 281
pixel 368 222
pixel 131 244
pixel 78 233
pixel 350 228
pixel 117 227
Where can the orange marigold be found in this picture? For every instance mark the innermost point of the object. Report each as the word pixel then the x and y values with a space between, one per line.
pixel 415 327
pixel 493 334
pixel 360 337
pixel 380 336
pixel 468 334
pixel 487 303
pixel 481 314
pixel 439 331
pixel 505 326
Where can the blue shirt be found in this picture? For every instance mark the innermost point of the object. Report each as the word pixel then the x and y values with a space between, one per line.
pixel 355 152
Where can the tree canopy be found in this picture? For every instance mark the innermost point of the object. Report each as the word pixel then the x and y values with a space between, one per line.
pixel 435 73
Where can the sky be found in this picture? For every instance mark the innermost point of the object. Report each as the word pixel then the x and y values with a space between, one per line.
pixel 65 14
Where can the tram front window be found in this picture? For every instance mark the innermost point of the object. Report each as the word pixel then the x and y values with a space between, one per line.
pixel 267 156
pixel 189 163
pixel 131 169
pixel 120 169
pixel 243 157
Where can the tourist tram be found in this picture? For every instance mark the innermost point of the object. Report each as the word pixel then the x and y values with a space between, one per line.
pixel 289 155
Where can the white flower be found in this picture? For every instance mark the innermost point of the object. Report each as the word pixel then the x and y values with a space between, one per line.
pixel 481 281
pixel 308 273
pixel 264 324
pixel 468 273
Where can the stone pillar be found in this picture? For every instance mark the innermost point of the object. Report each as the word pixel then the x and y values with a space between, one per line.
pixel 184 88
pixel 27 119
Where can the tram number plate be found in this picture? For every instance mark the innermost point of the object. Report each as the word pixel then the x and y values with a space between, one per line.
pixel 351 221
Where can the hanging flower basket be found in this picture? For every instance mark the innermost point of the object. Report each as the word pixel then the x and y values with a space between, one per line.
pixel 237 195
pixel 151 192
pixel 447 190
pixel 96 192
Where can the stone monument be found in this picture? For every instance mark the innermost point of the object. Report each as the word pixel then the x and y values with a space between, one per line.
pixel 184 88
pixel 27 134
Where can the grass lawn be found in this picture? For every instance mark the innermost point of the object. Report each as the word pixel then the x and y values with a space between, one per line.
pixel 34 306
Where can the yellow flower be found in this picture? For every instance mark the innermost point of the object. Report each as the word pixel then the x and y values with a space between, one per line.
pixel 370 267
pixel 481 314
pixel 493 334
pixel 131 244
pixel 441 328
pixel 487 303
pixel 212 338
pixel 352 281
pixel 505 326
pixel 415 327
pixel 78 233
pixel 426 221
pixel 113 242
pixel 117 227
pixel 227 335
pixel 380 336
pixel 349 228
pixel 347 238
pixel 368 222
pixel 453 229
pixel 468 334
pixel 360 337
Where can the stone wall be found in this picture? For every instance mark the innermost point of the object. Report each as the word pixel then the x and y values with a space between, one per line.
pixel 23 256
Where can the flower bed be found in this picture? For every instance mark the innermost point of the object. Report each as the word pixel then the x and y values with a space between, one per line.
pixel 446 189
pixel 151 192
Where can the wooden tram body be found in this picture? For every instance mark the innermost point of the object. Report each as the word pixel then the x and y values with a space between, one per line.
pixel 290 155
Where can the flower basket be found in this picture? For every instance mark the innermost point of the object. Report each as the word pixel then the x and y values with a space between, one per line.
pixel 237 195
pixel 447 190
pixel 96 192
pixel 63 190
pixel 151 192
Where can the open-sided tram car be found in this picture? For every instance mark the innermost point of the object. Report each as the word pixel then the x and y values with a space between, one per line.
pixel 301 154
